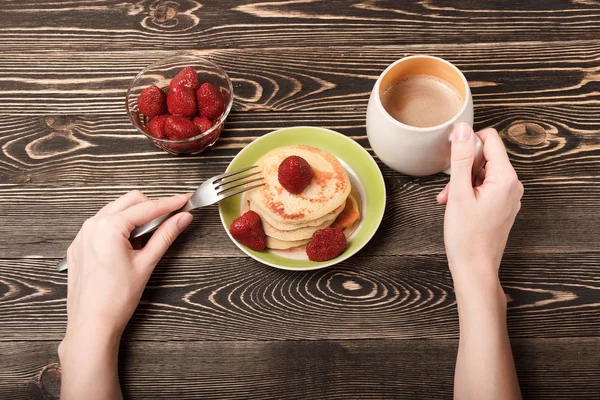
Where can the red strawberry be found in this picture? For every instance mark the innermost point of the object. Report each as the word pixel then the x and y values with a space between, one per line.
pixel 186 77
pixel 294 174
pixel 247 229
pixel 210 101
pixel 182 101
pixel 156 126
pixel 326 244
pixel 202 123
pixel 152 102
pixel 179 128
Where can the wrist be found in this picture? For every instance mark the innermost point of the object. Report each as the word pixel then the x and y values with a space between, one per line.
pixel 478 287
pixel 85 340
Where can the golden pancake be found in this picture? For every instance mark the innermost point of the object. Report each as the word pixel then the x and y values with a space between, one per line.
pixel 330 217
pixel 297 232
pixel 326 192
pixel 277 244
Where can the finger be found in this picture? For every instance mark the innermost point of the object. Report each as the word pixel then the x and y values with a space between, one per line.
pixel 493 147
pixel 442 197
pixel 122 203
pixel 163 238
pixel 142 213
pixel 461 161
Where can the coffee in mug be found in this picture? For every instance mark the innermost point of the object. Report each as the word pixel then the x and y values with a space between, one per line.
pixel 422 100
pixel 414 106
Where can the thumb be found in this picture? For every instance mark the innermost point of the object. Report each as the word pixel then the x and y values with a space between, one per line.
pixel 461 161
pixel 163 238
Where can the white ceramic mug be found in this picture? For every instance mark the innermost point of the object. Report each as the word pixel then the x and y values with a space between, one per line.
pixel 409 149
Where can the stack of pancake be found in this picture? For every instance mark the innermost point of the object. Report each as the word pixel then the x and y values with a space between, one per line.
pixel 289 220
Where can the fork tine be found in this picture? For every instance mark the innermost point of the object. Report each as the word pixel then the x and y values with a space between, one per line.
pixel 228 174
pixel 235 179
pixel 225 189
pixel 224 196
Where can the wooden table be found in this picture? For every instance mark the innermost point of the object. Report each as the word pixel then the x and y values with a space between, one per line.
pixel 215 324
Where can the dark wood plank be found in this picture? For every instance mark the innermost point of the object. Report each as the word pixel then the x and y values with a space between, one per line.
pixel 106 24
pixel 311 79
pixel 557 216
pixel 349 369
pixel 363 298
pixel 68 150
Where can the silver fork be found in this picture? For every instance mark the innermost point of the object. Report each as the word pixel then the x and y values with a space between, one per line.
pixel 210 192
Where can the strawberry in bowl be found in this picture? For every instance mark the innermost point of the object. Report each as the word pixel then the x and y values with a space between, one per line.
pixel 180 103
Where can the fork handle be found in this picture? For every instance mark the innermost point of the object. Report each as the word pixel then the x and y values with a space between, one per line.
pixel 62 265
pixel 150 226
pixel 156 222
pixel 139 230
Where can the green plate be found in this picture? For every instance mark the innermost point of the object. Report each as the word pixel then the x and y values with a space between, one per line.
pixel 362 170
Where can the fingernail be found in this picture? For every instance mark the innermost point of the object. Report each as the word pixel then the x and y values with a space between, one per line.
pixel 462 132
pixel 184 220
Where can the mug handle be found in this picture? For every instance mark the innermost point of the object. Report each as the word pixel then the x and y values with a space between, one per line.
pixel 479 160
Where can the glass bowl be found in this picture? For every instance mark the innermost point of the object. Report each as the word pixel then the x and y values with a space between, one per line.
pixel 160 74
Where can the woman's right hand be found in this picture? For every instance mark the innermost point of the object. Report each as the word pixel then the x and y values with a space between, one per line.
pixel 479 213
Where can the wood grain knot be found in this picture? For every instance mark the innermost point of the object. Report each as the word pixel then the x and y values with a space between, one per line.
pixel 247 90
pixel 165 14
pixel 172 15
pixel 351 285
pixel 50 381
pixel 526 133
pixel 344 287
pixel 58 142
